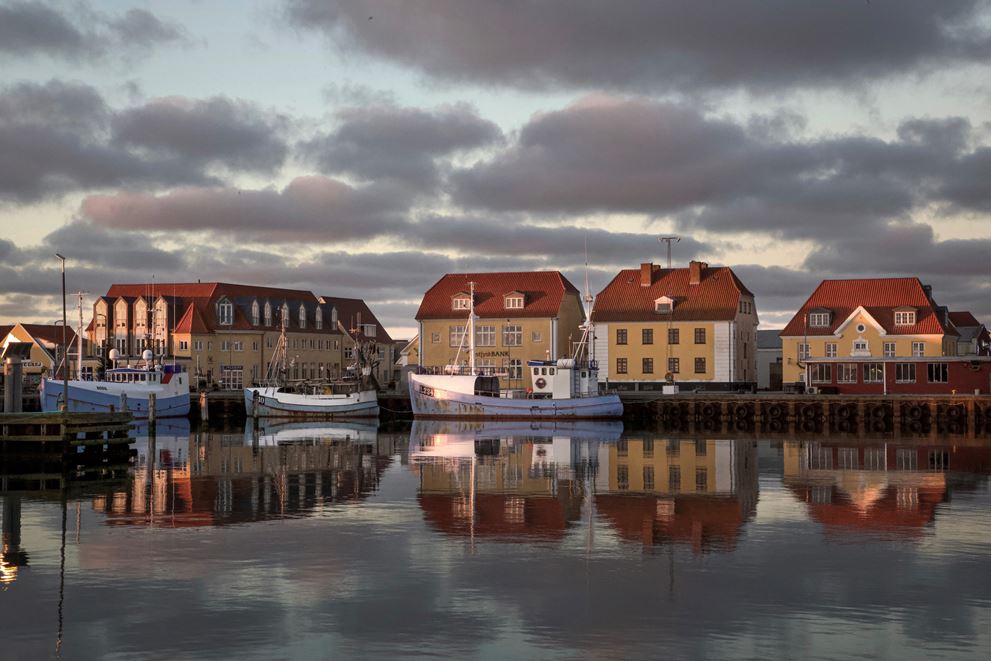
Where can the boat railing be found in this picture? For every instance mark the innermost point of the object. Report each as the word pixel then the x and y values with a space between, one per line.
pixel 460 370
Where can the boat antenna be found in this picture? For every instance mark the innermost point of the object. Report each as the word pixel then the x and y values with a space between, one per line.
pixel 79 336
pixel 471 326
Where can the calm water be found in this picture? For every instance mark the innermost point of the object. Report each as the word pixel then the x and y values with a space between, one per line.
pixel 499 542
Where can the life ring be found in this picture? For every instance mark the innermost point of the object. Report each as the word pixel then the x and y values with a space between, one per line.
pixel 540 382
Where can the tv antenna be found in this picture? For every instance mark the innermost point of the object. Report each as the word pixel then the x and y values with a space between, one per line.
pixel 669 240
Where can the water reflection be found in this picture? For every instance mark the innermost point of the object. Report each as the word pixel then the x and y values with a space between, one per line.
pixel 183 479
pixel 882 491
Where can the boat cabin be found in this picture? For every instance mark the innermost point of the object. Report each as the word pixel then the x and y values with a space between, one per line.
pixel 564 378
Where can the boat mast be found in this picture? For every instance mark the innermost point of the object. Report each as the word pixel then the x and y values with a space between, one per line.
pixel 471 327
pixel 79 337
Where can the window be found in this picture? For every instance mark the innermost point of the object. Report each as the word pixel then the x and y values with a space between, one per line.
pixel 515 368
pixel 621 366
pixel 830 349
pixel 889 349
pixel 648 365
pixel 460 303
pixel 183 345
pixel 319 318
pixel 700 365
pixel 647 336
pixel 819 319
pixel 904 318
pixel 804 351
pixel 918 349
pixel 348 353
pixel 622 478
pixel 512 336
pixel 536 336
pixel 860 347
pixel 701 479
pixel 674 336
pixel 197 345
pixel 663 307
pixel 648 478
pixel 225 313
pixel 674 365
pixel 673 449
pixel 701 448
pixel 873 373
pixel 821 373
pixel 485 336
pixel 514 302
pixel 674 478
pixel 904 372
pixel 435 338
pixel 620 336
pixel 302 316
pixel 285 315
pixel 254 345
pixel 648 448
pixel 938 373
pixel 255 313
pixel 225 346
pixel 456 335
pixel 699 336
pixel 268 313
pixel 846 373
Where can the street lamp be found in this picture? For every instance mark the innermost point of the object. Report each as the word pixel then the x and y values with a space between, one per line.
pixel 65 353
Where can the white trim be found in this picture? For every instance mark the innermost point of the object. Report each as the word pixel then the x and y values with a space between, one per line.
pixel 853 315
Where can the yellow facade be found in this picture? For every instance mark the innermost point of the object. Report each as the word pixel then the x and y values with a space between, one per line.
pixel 635 350
pixel 861 328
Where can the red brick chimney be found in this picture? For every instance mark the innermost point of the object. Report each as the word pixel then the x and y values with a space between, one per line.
pixel 646 274
pixel 695 272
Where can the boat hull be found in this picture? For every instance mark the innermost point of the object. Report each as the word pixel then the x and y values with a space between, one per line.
pixel 96 397
pixel 431 401
pixel 273 404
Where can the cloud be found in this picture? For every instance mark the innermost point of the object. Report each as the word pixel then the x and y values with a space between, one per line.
pixel 31 29
pixel 656 45
pixel 308 208
pixel 236 134
pixel 387 141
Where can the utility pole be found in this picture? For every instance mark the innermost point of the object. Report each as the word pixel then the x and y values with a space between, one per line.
pixel 669 240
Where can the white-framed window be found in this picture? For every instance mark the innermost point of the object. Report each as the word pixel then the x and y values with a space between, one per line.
pixel 918 349
pixel 285 314
pixel 939 373
pixel 830 349
pixel 255 313
pixel 302 316
pixel 860 347
pixel 905 372
pixel 804 351
pixel 369 330
pixel 818 319
pixel 514 302
pixel 889 349
pixel 512 335
pixel 460 303
pixel 225 346
pixel 225 313
pixel 268 313
pixel 536 336
pixel 197 345
pixel 456 336
pixel 873 373
pixel 238 345
pixel 821 373
pixel 906 318
pixel 485 336
pixel 846 373
pixel 515 368
pixel 319 318
pixel 183 345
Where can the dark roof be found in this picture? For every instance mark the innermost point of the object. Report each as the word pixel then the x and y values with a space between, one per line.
pixel 351 310
pixel 769 339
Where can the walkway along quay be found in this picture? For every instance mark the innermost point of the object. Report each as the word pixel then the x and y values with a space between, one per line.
pixel 956 415
pixel 74 429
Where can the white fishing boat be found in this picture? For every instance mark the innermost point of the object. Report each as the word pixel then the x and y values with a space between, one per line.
pixel 310 432
pixel 563 388
pixel 123 389
pixel 350 398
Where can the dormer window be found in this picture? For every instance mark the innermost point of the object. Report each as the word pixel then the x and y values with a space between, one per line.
pixel 225 313
pixel 905 318
pixel 461 302
pixel 302 316
pixel 819 319
pixel 333 317
pixel 368 330
pixel 319 318
pixel 514 301
pixel 255 313
pixel 285 315
pixel 268 313
pixel 664 305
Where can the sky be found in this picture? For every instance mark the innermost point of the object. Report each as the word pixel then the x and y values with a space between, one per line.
pixel 366 147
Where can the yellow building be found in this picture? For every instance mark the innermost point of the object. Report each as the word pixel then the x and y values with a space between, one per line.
pixel 695 325
pixel 885 318
pixel 519 317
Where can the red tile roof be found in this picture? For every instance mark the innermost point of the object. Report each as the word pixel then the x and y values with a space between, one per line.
pixel 715 298
pixel 544 292
pixel 879 296
pixel 964 319
pixel 351 310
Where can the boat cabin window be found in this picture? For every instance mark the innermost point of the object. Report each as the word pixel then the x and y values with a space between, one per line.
pixel 536 371
pixel 543 370
pixel 552 371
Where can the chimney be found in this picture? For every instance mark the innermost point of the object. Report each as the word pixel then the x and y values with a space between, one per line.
pixel 646 274
pixel 695 272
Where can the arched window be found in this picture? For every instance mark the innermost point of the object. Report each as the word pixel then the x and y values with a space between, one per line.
pixel 255 316
pixel 285 314
pixel 225 313
pixel 333 316
pixel 302 316
pixel 319 318
pixel 268 313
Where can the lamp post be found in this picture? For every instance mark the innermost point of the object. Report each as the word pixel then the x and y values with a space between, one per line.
pixel 65 353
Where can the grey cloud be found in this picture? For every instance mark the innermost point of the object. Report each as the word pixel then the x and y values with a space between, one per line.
pixel 308 208
pixel 386 141
pixel 32 28
pixel 72 106
pixel 218 130
pixel 655 44
pixel 140 27
pixel 84 242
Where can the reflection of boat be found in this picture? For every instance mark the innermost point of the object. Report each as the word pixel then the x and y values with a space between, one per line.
pixel 565 388
pixel 123 388
pixel 281 433
pixel 465 438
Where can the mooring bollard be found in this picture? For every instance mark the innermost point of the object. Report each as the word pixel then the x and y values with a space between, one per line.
pixel 123 402
pixel 254 404
pixel 152 404
pixel 13 397
pixel 204 407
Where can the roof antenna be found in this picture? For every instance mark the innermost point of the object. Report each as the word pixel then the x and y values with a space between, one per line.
pixel 588 293
pixel 669 240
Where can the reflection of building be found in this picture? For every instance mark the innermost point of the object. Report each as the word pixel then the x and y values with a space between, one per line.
pixel 664 491
pixel 887 490
pixel 215 479
pixel 768 360
pixel 12 557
